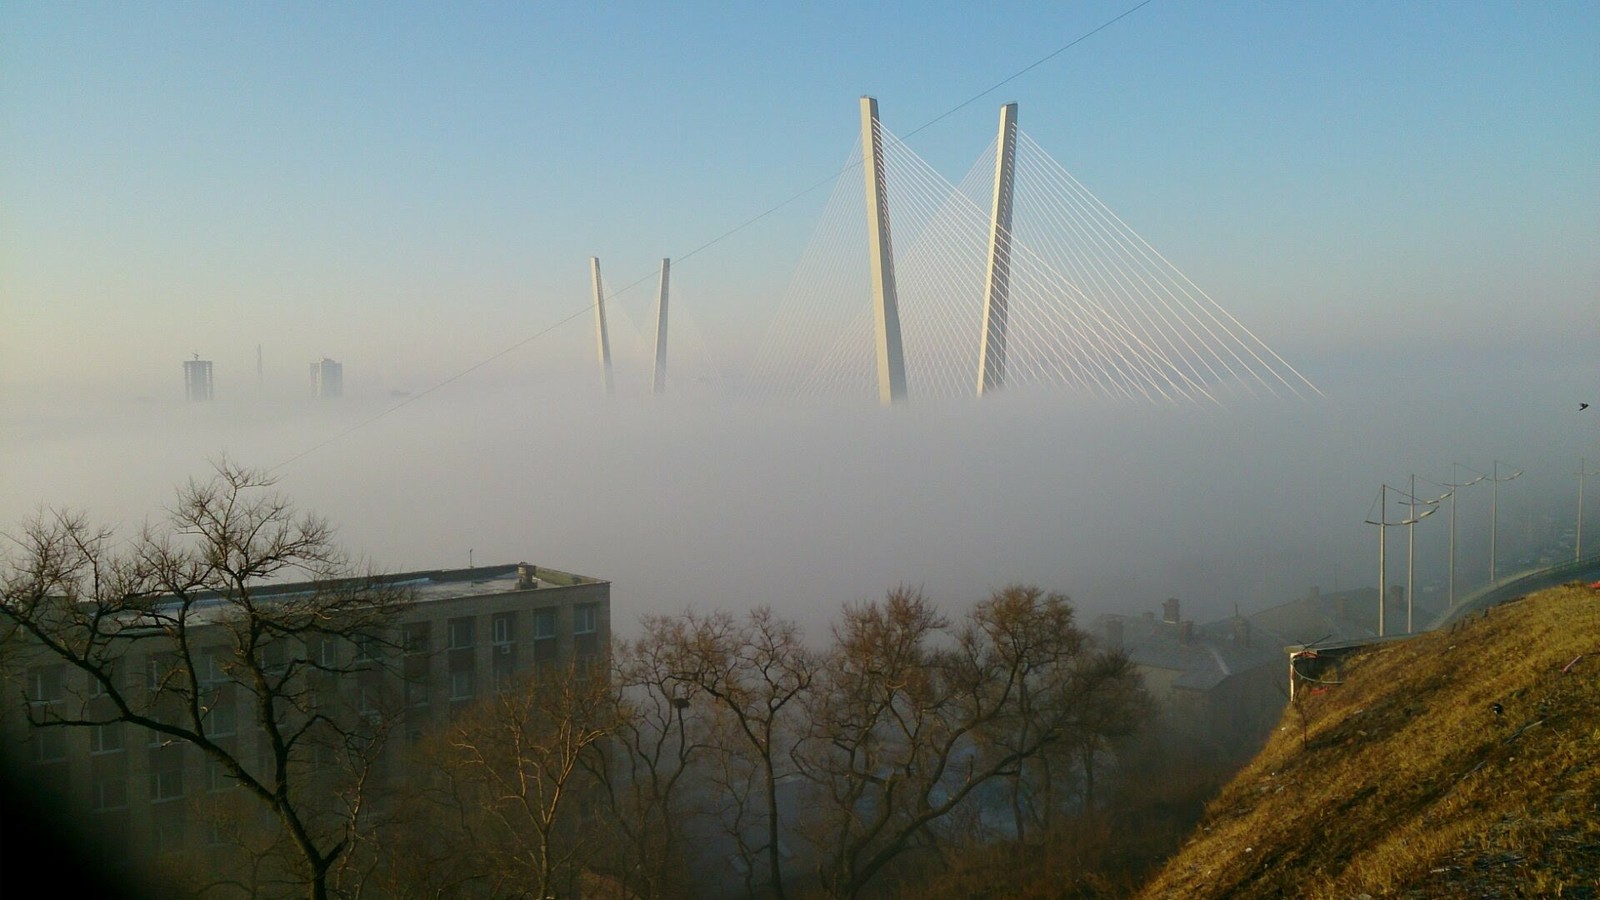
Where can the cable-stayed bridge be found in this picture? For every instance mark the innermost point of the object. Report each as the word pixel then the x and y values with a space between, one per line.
pixel 1018 276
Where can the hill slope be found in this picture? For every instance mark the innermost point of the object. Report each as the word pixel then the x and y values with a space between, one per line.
pixel 1405 780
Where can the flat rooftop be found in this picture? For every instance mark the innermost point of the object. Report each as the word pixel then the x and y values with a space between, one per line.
pixel 432 584
pixel 443 584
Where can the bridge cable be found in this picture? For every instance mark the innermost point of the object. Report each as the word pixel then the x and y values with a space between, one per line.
pixel 710 243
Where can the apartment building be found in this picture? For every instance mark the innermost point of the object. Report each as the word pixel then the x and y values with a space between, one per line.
pixel 457 636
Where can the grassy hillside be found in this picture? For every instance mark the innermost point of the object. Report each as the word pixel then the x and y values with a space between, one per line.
pixel 1405 781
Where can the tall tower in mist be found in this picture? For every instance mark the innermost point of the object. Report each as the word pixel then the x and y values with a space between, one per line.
pixel 197 378
pixel 997 280
pixel 885 301
pixel 661 330
pixel 601 337
pixel 327 379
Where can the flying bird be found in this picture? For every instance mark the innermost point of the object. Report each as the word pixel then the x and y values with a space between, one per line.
pixel 1582 407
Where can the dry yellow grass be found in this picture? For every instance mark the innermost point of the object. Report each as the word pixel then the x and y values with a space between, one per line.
pixel 1407 783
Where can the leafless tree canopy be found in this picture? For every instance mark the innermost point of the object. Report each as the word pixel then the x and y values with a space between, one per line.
pixel 179 631
pixel 711 741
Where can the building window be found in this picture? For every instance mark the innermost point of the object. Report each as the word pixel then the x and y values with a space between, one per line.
pixel 97 687
pixel 461 685
pixel 585 618
pixel 327 654
pixel 414 637
pixel 460 633
pixel 47 684
pixel 106 738
pixel 109 793
pixel 368 648
pixel 49 745
pixel 503 675
pixel 544 637
pixel 221 716
pixel 544 624
pixel 505 627
pixel 416 692
pixel 166 784
pixel 218 778
pixel 273 657
pixel 167 834
pixel 161 671
pixel 213 669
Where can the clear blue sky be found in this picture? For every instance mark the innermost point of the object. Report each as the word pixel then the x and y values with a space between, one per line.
pixel 411 187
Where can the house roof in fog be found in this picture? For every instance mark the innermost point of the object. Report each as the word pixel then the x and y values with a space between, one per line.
pixel 1208 656
pixel 1343 616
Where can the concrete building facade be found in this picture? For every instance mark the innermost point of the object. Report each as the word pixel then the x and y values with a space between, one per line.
pixel 459 636
pixel 327 379
pixel 197 384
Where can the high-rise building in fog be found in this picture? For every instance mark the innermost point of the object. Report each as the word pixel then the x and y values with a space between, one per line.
pixel 197 378
pixel 327 379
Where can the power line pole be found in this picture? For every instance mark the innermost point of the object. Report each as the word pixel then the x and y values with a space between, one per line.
pixel 1494 516
pixel 1383 561
pixel 1577 548
pixel 1454 486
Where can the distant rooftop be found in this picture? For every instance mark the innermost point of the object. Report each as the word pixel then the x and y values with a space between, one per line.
pixel 438 584
pixel 443 584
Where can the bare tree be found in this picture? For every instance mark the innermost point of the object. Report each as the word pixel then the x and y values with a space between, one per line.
pixel 913 718
pixel 755 674
pixel 1069 699
pixel 648 767
pixel 180 632
pixel 509 788
pixel 1110 702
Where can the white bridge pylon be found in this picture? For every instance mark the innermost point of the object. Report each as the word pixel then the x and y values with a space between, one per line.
pixel 1017 277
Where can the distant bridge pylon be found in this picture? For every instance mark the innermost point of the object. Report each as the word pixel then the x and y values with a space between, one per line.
pixel 1017 277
